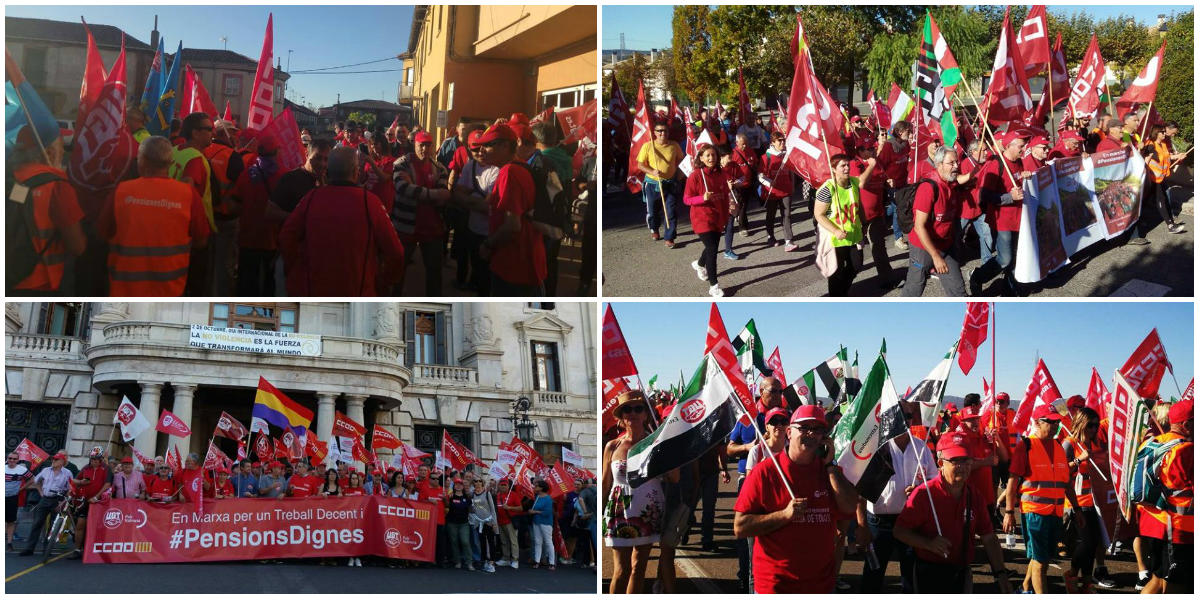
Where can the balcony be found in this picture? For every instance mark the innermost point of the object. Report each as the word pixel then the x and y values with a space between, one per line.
pixel 43 347
pixel 404 93
pixel 445 375
pixel 549 399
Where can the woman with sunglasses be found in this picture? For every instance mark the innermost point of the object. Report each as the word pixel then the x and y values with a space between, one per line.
pixel 1084 447
pixel 633 516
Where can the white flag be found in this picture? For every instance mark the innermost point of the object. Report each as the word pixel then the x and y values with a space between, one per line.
pixel 498 470
pixel 506 457
pixel 439 461
pixel 132 421
pixel 257 424
pixel 569 456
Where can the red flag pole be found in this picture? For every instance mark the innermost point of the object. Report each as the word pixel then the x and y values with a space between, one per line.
pixel 1050 83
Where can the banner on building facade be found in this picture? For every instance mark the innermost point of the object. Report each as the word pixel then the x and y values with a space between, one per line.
pixel 247 340
pixel 133 531
pixel 1073 203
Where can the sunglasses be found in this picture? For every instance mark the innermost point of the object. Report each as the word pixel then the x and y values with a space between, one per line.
pixel 773 390
pixel 635 408
pixel 810 428
pixel 780 422
pixel 660 131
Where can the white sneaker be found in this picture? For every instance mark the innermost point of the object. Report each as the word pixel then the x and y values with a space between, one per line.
pixel 488 568
pixel 358 562
pixel 716 292
pixel 502 563
pixel 515 564
pixel 700 272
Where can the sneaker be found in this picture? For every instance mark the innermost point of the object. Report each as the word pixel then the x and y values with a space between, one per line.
pixel 1103 579
pixel 744 233
pixel 975 288
pixel 502 563
pixel 790 247
pixel 566 561
pixel 654 236
pixel 1143 581
pixel 772 242
pixel 515 564
pixel 731 255
pixel 550 568
pixel 1139 241
pixel 901 244
pixel 700 272
pixel 842 586
pixel 1176 228
pixel 715 291
pixel 670 244
pixel 488 568
pixel 470 566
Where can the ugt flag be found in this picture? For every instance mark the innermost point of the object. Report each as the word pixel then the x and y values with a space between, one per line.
pixel 132 421
pixel 873 419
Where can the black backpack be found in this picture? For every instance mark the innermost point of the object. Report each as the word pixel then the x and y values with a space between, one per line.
pixel 905 197
pixel 19 227
pixel 551 211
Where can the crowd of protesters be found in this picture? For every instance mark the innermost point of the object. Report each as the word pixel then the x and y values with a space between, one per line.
pixel 970 481
pixel 208 211
pixel 966 196
pixel 482 523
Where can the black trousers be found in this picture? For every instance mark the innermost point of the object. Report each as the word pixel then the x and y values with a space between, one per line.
pixel 937 578
pixel 708 257
pixel 551 282
pixel 1083 554
pixel 843 277
pixel 44 508
pixel 256 272
pixel 877 231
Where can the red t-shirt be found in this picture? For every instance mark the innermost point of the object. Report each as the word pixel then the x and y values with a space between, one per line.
pixel 159 489
pixel 461 156
pixel 303 487
pixel 226 490
pixel 870 194
pixel 707 216
pixel 970 201
pixel 942 206
pixel 254 231
pixel 354 491
pixel 1108 144
pixel 980 479
pixel 97 476
pixel 184 479
pixel 1031 164
pixel 522 259
pixel 798 557
pixel 994 177
pixel 893 164
pixel 952 514
pixel 432 493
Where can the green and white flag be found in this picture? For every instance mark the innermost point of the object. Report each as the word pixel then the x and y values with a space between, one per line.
pixel 749 348
pixel 852 384
pixel 937 76
pixel 652 381
pixel 932 389
pixel 703 418
pixel 830 373
pixel 872 419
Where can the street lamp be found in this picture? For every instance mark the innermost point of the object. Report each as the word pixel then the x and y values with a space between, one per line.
pixel 522 426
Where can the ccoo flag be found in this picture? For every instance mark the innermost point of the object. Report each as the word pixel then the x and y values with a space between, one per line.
pixel 873 418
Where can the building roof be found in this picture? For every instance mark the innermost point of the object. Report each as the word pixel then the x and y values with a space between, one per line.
pixel 298 108
pixel 418 20
pixel 196 56
pixel 65 32
pixel 369 105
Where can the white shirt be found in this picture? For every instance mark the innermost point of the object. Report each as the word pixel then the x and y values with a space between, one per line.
pixel 13 477
pixel 54 484
pixel 482 178
pixel 905 463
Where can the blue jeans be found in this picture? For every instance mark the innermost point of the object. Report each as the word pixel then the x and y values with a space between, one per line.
pixel 1001 261
pixel 986 246
pixel 890 195
pixel 654 194
pixel 743 548
pixel 475 544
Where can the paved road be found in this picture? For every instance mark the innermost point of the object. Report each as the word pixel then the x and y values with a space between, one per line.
pixel 73 577
pixel 714 572
pixel 634 265
pixel 569 263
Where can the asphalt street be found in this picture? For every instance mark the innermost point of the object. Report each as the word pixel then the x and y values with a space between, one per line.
pixel 636 265
pixel 701 572
pixel 569 263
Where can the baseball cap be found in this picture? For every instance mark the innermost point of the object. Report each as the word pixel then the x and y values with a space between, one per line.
pixel 951 407
pixel 1076 401
pixel 410 478
pixel 256 464
pixel 127 460
pixel 1039 140
pixel 775 412
pixel 1009 137
pixel 1070 134
pixel 970 412
pixel 423 137
pixel 809 412
pixel 519 117
pixel 952 445
pixel 1002 397
pixel 522 130
pixel 496 133
pixel 473 138
pixel 1047 412
pixel 1180 411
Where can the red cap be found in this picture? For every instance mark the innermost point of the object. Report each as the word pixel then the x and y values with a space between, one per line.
pixel 1070 134
pixel 953 445
pixel 775 412
pixel 256 464
pixel 1046 411
pixel 1002 396
pixel 518 117
pixel 473 138
pixel 522 131
pixel 809 412
pixel 951 407
pixel 423 137
pixel 1009 137
pixel 61 454
pixel 970 412
pixel 1039 140
pixel 497 132
pixel 1076 401
pixel 276 464
pixel 222 470
pixel 410 478
pixel 128 460
pixel 458 480
pixel 1180 412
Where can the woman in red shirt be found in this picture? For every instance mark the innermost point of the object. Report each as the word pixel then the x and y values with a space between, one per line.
pixel 707 195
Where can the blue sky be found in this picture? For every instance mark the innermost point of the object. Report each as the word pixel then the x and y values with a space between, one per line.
pixel 647 27
pixel 320 36
pixel 1071 337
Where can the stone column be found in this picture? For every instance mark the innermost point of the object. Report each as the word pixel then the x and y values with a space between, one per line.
pixel 354 410
pixel 325 402
pixel 147 443
pixel 184 394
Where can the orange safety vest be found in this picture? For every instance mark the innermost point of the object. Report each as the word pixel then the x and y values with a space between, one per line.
pixel 48 273
pixel 1083 476
pixel 218 156
pixel 1160 163
pixel 1046 487
pixel 1177 493
pixel 151 249
pixel 1005 418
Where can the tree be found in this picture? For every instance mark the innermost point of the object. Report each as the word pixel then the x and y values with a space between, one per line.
pixel 1176 90
pixel 365 119
pixel 1076 30
pixel 629 73
pixel 695 67
pixel 1125 44
pixel 968 33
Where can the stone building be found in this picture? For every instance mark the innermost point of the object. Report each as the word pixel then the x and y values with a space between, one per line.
pixel 415 369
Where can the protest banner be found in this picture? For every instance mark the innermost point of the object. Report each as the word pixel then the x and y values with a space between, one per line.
pixel 1077 202
pixel 1117 178
pixel 1040 250
pixel 133 531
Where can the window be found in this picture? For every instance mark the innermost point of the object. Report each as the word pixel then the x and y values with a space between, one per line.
pixel 541 305
pixel 231 84
pixel 545 367
pixel 426 340
pixel 257 316
pixel 428 438
pixel 62 318
pixel 35 66
pixel 569 97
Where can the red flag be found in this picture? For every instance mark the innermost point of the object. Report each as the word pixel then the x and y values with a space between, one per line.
pixel 281 449
pixel 359 453
pixel 776 364
pixel 1085 95
pixel 195 97
pixel 262 447
pixel 532 459
pixel 618 116
pixel 1187 392
pixel 285 131
pixel 142 458
pixel 103 147
pixel 1041 390
pixel 93 77
pixel 413 452
pixel 193 488
pixel 883 116
pixel 974 333
pixel 1142 90
pixel 293 444
pixel 262 95
pixel 1008 97
pixel 745 110
pixel 229 427
pixel 1144 369
pixel 717 343
pixel 170 424
pixel 455 453
pixel 559 480
pixel 640 135
pixel 316 449
pixel 616 360
pixel 1097 394
pixel 228 114
pixel 814 125
pixel 214 458
pixel 174 460
pixel 31 453
pixel 988 398
pixel 612 389
pixel 382 438
pixel 241 451
pixel 1059 77
pixel 1033 39
pixel 345 426
pixel 542 117
pixel 578 123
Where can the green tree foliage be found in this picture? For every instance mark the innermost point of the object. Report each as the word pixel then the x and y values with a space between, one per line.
pixel 628 73
pixel 1076 30
pixel 1125 44
pixel 968 32
pixel 754 38
pixel 1176 90
pixel 365 119
pixel 695 64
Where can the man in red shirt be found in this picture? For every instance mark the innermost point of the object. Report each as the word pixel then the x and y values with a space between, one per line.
pixel 90 484
pixel 429 489
pixel 513 246
pixel 257 234
pixel 302 484
pixel 794 521
pixel 940 520
pixel 1069 145
pixel 339 240
pixel 987 448
pixel 1000 192
pixel 935 227
pixel 1112 139
pixel 161 488
pixel 894 154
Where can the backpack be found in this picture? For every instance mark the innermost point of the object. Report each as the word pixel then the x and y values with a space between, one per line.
pixel 1146 487
pixel 905 197
pixel 19 226
pixel 551 211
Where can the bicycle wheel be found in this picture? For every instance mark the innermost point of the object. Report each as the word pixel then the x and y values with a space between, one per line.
pixel 52 536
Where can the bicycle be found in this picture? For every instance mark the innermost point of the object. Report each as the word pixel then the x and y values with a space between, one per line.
pixel 63 524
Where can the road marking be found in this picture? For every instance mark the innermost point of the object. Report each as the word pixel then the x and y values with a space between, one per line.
pixel 697 575
pixel 37 566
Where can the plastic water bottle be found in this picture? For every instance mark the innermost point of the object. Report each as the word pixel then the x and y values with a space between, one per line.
pixel 872 560
pixel 1010 540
